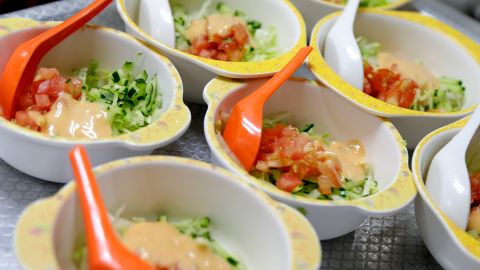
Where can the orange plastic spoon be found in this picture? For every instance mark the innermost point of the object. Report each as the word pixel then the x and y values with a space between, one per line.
pixel 20 69
pixel 105 251
pixel 244 127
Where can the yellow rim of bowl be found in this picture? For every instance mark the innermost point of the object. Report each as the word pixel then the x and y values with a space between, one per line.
pixel 323 72
pixel 171 123
pixel 239 68
pixel 392 5
pixel 398 194
pixel 34 235
pixel 468 242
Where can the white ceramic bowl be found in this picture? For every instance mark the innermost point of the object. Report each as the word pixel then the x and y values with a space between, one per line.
pixel 441 48
pixel 45 157
pixel 451 246
pixel 314 10
pixel 197 71
pixel 259 232
pixel 310 103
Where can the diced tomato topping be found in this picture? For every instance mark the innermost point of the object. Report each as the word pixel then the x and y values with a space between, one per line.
pixel 297 156
pixel 42 101
pixel 22 118
pixel 475 187
pixel 288 182
pixel 230 46
pixel 73 86
pixel 25 101
pixel 389 86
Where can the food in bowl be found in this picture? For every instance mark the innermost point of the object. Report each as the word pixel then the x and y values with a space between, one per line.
pixel 303 163
pixel 166 244
pixel 473 165
pixel 406 83
pixel 222 33
pixel 90 103
pixel 365 3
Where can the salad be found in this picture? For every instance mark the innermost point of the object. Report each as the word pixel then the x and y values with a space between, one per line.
pixel 406 83
pixel 306 164
pixel 473 226
pixel 168 245
pixel 365 3
pixel 222 33
pixel 90 103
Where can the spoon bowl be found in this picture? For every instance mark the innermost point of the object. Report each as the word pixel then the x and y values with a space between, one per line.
pixel 155 18
pixel 448 179
pixel 105 251
pixel 20 69
pixel 244 127
pixel 341 50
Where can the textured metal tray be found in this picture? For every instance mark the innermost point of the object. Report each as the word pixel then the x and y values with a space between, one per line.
pixel 380 243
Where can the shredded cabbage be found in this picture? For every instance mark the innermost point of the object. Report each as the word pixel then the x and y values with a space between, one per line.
pixel 263 40
pixel 369 50
pixel 131 100
pixel 368 3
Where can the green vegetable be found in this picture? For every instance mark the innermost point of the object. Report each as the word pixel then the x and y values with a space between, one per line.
pixel 370 3
pixel 369 50
pixel 261 46
pixel 132 101
pixel 448 97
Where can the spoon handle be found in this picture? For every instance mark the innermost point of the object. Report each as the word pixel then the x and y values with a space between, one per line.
pixel 98 230
pixel 50 38
pixel 467 132
pixel 268 88
pixel 348 15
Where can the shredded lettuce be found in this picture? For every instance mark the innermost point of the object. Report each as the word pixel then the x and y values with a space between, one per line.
pixel 369 50
pixel 263 40
pixel 448 97
pixel 367 3
pixel 197 228
pixel 131 100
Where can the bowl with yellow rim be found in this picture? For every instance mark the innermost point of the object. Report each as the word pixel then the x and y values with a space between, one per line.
pixel 426 43
pixel 196 71
pixel 43 154
pixel 451 246
pixel 384 150
pixel 314 10
pixel 254 230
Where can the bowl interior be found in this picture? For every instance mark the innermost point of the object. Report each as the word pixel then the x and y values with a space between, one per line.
pixel 109 48
pixel 285 21
pixel 242 222
pixel 330 114
pixel 407 39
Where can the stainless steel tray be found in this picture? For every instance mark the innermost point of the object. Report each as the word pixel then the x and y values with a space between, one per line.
pixel 380 243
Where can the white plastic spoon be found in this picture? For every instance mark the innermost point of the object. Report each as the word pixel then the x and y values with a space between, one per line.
pixel 155 18
pixel 341 50
pixel 448 181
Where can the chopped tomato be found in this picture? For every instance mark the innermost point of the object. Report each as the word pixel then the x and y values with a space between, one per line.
pixel 297 157
pixel 288 182
pixel 475 187
pixel 25 101
pixel 389 86
pixel 42 101
pixel 73 86
pixel 22 118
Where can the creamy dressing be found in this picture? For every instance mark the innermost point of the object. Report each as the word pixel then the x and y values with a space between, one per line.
pixel 351 155
pixel 408 69
pixel 162 245
pixel 474 220
pixel 71 118
pixel 214 24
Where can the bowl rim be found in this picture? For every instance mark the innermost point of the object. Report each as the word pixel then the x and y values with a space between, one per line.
pixel 225 68
pixel 160 132
pixel 391 199
pixel 324 73
pixel 39 217
pixel 391 5
pixel 461 238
